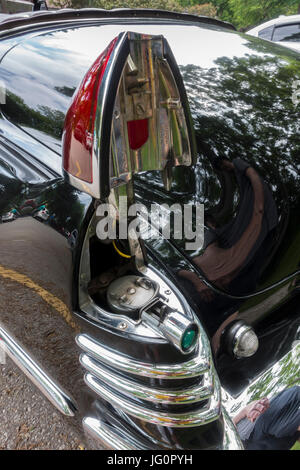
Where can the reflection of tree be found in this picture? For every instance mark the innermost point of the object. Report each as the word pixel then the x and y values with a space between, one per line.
pixel 242 107
pixel 284 374
pixel 65 90
pixel 11 190
pixel 62 200
pixel 43 118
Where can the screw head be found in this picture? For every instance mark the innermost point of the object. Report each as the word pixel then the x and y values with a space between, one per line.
pixel 131 291
pixel 123 299
pixel 140 109
pixel 122 326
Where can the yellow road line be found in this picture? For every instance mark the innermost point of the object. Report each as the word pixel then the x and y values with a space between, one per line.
pixel 51 299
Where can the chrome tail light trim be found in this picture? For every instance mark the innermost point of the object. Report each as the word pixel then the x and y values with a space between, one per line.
pixel 130 388
pixel 192 368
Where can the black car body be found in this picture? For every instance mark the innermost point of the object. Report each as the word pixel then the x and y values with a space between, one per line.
pixel 132 388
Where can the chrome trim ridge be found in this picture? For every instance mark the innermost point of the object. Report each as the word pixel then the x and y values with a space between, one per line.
pixel 192 368
pixel 108 437
pixel 231 439
pixel 50 389
pixel 204 415
pixel 192 394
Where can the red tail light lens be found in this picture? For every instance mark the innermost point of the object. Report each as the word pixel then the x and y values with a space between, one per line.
pixel 138 133
pixel 78 135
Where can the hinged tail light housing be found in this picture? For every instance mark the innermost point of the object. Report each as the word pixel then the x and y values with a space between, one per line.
pixel 129 114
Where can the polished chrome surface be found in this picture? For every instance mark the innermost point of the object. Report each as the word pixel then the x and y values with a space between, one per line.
pixel 51 390
pixel 105 376
pixel 281 375
pixel 139 82
pixel 238 348
pixel 113 321
pixel 175 326
pixel 128 294
pixel 203 415
pixel 191 368
pixel 231 439
pixel 109 438
pixel 148 91
pixel 131 388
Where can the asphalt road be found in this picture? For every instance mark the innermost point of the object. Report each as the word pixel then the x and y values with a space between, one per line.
pixel 27 420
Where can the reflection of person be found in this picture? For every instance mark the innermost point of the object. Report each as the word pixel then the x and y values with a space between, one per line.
pixel 39 5
pixel 238 241
pixel 234 252
pixel 271 425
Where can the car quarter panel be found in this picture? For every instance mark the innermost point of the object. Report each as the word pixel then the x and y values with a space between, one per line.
pixel 247 177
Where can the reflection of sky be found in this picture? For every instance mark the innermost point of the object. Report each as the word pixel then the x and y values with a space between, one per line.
pixel 40 67
pixel 61 58
pixel 31 146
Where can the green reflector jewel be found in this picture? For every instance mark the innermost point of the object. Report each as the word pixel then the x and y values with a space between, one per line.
pixel 188 339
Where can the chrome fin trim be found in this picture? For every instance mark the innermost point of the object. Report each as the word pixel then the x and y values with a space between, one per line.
pixel 107 437
pixel 192 368
pixel 204 415
pixel 130 388
pixel 231 439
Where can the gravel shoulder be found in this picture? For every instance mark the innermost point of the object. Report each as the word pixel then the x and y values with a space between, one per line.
pixel 28 420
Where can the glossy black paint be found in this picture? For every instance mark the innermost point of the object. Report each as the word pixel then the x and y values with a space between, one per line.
pixel 240 95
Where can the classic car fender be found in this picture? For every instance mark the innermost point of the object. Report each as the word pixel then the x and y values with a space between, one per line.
pixel 125 387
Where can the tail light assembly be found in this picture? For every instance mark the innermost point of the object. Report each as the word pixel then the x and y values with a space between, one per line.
pixel 129 114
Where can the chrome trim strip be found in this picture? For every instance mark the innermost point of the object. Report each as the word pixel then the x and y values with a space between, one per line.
pixel 117 14
pixel 192 368
pixel 204 415
pixel 132 389
pixel 51 390
pixel 231 439
pixel 107 437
